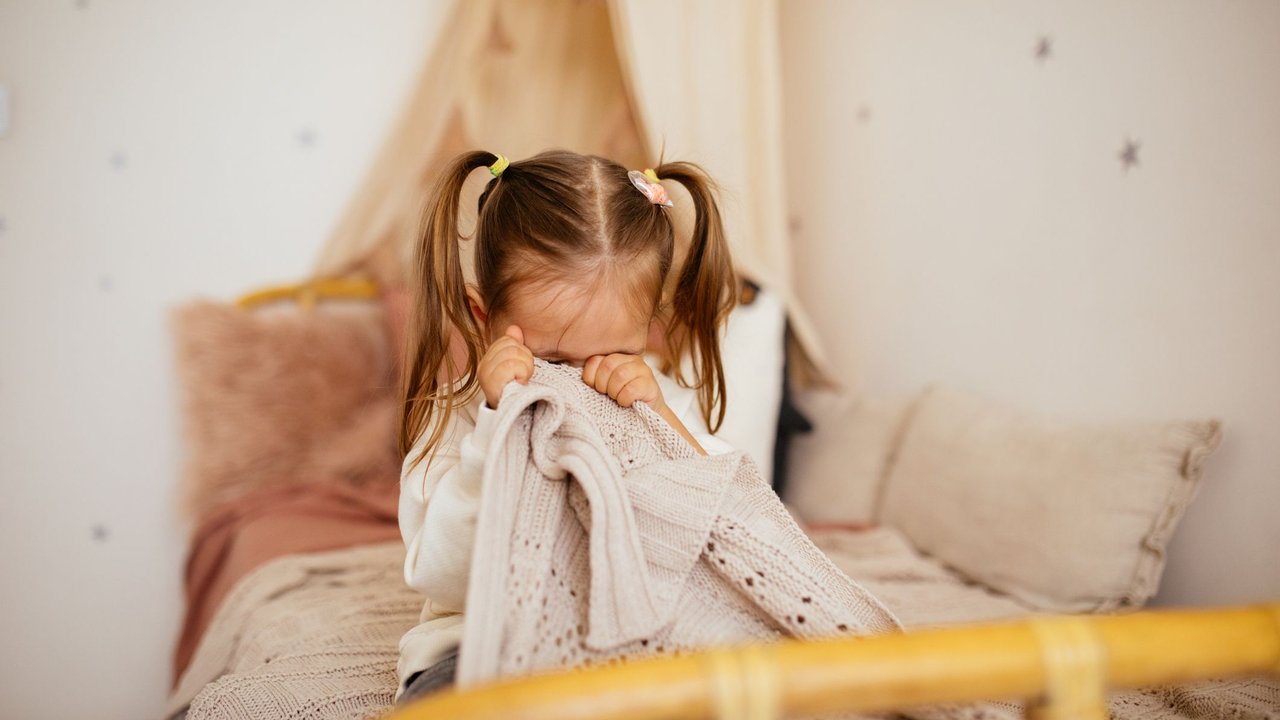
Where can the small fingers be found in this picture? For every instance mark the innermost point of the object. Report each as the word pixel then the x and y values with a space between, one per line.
pixel 516 368
pixel 622 375
pixel 608 371
pixel 512 347
pixel 625 378
pixel 590 368
pixel 500 365
pixel 630 392
pixel 500 354
pixel 505 342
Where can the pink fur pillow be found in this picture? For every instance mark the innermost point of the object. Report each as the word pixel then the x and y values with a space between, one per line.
pixel 281 396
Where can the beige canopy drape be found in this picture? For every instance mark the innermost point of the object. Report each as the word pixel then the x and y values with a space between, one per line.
pixel 691 80
pixel 705 80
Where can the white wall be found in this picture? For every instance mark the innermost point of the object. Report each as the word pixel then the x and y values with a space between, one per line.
pixel 961 215
pixel 238 129
pixel 975 227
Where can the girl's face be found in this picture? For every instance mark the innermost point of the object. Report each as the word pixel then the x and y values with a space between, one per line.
pixel 564 322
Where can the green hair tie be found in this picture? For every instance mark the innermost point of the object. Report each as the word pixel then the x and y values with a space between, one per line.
pixel 499 165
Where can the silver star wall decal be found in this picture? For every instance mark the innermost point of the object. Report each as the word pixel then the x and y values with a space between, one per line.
pixel 1129 154
pixel 306 137
pixel 104 283
pixel 100 532
pixel 82 4
pixel 118 160
pixel 864 114
pixel 1044 48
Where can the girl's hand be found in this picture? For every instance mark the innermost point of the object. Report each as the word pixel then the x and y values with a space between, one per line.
pixel 625 378
pixel 506 359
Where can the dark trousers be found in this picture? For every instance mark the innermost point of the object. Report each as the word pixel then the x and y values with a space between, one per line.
pixel 437 677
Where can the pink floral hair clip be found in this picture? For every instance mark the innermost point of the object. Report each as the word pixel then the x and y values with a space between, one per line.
pixel 647 183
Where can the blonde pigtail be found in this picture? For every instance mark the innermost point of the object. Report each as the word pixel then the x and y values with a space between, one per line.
pixel 432 384
pixel 705 293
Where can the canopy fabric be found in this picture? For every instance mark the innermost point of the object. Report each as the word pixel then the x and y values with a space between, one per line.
pixel 625 79
pixel 705 78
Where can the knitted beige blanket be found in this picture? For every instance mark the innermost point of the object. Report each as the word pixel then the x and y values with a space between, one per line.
pixel 602 535
pixel 315 636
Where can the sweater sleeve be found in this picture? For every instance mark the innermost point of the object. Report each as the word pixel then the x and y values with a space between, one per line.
pixel 439 501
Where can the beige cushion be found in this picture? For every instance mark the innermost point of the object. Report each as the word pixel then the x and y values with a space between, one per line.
pixel 920 591
pixel 1067 518
pixel 836 471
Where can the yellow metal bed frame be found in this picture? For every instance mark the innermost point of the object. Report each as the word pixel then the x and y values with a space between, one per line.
pixel 1062 665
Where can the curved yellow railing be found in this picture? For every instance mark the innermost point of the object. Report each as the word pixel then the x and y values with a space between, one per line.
pixel 1063 665
pixel 308 293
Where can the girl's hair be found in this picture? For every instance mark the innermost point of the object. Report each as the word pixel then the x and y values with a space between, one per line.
pixel 559 215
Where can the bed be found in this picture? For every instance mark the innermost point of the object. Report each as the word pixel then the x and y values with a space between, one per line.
pixel 950 509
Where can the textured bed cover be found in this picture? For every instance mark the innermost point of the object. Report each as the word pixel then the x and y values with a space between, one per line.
pixel 317 635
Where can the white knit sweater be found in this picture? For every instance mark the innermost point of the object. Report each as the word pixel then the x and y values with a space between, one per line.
pixel 602 534
pixel 439 501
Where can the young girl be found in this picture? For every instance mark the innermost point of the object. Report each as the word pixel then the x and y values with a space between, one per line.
pixel 572 253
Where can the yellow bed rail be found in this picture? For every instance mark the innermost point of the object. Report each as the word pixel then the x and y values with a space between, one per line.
pixel 1063 665
pixel 306 294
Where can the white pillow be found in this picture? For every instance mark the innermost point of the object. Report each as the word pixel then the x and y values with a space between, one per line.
pixel 752 350
pixel 1065 517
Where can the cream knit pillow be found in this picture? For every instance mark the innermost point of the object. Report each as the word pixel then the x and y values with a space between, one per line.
pixel 1068 518
pixel 836 471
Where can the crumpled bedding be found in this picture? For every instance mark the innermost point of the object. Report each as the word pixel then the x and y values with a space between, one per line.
pixel 316 635
pixel 240 535
pixel 311 635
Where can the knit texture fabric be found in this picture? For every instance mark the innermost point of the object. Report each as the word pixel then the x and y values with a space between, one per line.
pixel 312 635
pixel 602 535
pixel 315 636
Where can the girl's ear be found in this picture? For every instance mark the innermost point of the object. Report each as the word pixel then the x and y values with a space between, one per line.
pixel 476 303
